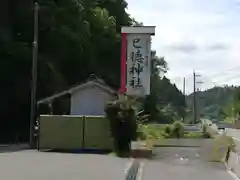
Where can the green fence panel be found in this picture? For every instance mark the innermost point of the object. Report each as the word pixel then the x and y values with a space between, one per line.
pixel 61 132
pixel 97 133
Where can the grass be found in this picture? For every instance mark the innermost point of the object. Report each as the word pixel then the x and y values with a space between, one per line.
pixel 153 132
pixel 193 135
pixel 228 120
pixel 150 132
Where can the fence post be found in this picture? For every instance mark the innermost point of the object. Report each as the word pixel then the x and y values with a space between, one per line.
pixel 83 132
pixel 38 133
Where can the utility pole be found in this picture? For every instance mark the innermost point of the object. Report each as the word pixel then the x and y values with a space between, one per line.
pixel 34 76
pixel 195 107
pixel 184 93
pixel 194 98
pixel 184 86
pixel 233 114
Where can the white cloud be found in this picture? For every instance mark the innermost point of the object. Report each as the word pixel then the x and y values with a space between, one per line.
pixel 199 35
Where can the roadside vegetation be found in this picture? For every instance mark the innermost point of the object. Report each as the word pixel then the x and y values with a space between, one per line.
pixel 175 130
pixel 218 104
pixel 123 126
pixel 126 127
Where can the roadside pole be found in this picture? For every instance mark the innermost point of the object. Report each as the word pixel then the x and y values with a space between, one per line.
pixel 34 77
pixel 194 98
pixel 184 94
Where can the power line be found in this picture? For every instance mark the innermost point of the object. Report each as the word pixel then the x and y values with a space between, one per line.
pixel 215 83
pixel 226 79
pixel 229 78
pixel 225 72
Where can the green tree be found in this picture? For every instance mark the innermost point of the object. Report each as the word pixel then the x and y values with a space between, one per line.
pixel 236 103
pixel 163 93
pixel 76 38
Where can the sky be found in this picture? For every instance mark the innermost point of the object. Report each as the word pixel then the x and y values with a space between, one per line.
pixel 194 35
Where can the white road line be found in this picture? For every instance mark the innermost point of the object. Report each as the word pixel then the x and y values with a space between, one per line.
pixel 128 166
pixel 140 172
pixel 233 175
pixel 236 138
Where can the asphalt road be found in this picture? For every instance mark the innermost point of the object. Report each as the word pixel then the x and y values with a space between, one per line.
pixel 182 163
pixel 170 163
pixel 33 165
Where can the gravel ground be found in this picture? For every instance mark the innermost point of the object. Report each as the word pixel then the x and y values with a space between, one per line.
pixel 33 165
pixel 181 163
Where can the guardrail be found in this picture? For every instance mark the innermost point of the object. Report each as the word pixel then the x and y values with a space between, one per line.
pixel 233 163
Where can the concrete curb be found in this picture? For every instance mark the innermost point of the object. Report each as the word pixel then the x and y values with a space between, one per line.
pixel 234 176
pixel 230 172
pixel 131 172
pixel 4 145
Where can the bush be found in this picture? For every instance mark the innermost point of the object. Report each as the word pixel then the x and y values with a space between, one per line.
pixel 141 132
pixel 123 126
pixel 178 129
pixel 149 131
pixel 166 135
pixel 193 135
pixel 167 130
pixel 206 134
